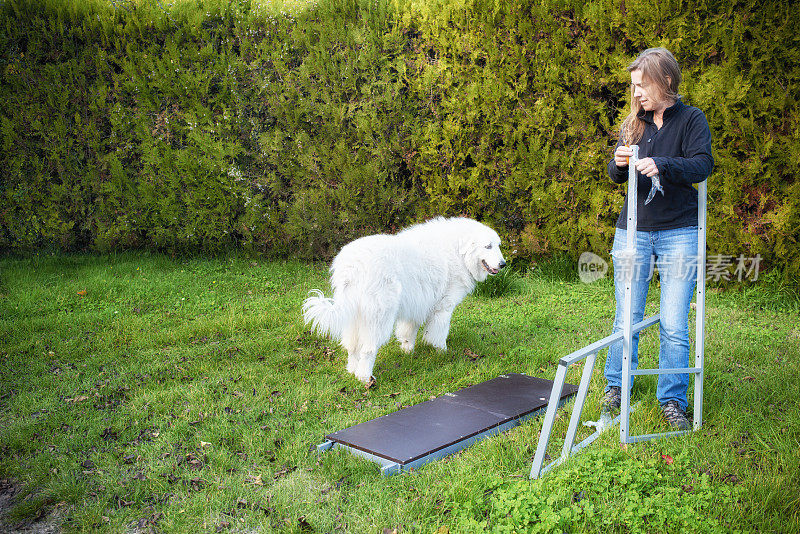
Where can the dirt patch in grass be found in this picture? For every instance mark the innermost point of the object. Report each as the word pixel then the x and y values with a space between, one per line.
pixel 47 524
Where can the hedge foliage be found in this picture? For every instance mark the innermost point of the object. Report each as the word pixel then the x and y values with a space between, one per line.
pixel 207 125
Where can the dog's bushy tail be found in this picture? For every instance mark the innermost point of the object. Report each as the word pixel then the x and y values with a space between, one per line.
pixel 325 315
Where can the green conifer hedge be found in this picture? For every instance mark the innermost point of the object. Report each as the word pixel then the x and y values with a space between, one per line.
pixel 207 125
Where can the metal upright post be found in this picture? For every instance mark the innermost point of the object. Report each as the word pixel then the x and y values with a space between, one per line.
pixel 627 321
pixel 549 419
pixel 700 319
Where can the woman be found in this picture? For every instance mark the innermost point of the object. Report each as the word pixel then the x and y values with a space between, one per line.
pixel 674 153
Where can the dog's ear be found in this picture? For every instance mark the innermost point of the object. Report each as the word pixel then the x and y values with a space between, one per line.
pixel 465 246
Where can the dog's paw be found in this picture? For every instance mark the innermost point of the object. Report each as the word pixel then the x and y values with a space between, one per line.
pixel 440 346
pixel 366 379
pixel 437 340
pixel 407 346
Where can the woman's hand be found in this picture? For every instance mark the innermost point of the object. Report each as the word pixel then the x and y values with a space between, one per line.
pixel 621 155
pixel 647 167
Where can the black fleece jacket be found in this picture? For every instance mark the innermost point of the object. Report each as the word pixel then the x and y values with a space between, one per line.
pixel 681 149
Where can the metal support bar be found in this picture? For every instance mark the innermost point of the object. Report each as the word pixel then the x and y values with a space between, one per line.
pixel 388 467
pixel 325 446
pixel 681 370
pixel 647 437
pixel 627 320
pixel 549 418
pixel 700 317
pixel 577 409
pixel 607 341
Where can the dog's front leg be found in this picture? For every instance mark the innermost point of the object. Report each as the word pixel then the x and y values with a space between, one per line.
pixel 437 327
pixel 352 363
pixel 406 334
pixel 365 365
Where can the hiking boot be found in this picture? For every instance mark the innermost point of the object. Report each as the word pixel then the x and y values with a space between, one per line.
pixel 675 415
pixel 612 400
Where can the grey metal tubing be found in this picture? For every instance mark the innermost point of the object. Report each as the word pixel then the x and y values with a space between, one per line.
pixel 391 469
pixel 577 408
pixel 549 418
pixel 627 326
pixel 681 370
pixel 607 341
pixel 647 437
pixel 700 318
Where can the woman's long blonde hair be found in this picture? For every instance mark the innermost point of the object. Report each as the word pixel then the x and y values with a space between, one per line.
pixel 659 69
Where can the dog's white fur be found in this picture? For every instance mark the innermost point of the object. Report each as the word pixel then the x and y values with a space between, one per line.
pixel 416 276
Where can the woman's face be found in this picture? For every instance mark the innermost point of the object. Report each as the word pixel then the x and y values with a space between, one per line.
pixel 646 93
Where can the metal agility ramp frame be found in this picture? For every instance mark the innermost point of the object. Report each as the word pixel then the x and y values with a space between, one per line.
pixel 589 353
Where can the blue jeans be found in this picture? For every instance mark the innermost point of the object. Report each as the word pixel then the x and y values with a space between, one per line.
pixel 674 252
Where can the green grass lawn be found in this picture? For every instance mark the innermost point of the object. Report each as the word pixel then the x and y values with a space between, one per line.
pixel 142 393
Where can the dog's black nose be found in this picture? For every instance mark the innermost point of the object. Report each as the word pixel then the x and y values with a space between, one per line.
pixel 502 264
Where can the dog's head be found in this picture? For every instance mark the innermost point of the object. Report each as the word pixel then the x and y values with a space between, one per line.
pixel 480 249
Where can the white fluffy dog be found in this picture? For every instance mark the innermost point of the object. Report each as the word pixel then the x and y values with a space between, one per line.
pixel 416 276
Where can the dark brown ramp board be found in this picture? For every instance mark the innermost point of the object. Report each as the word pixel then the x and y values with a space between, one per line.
pixel 408 438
